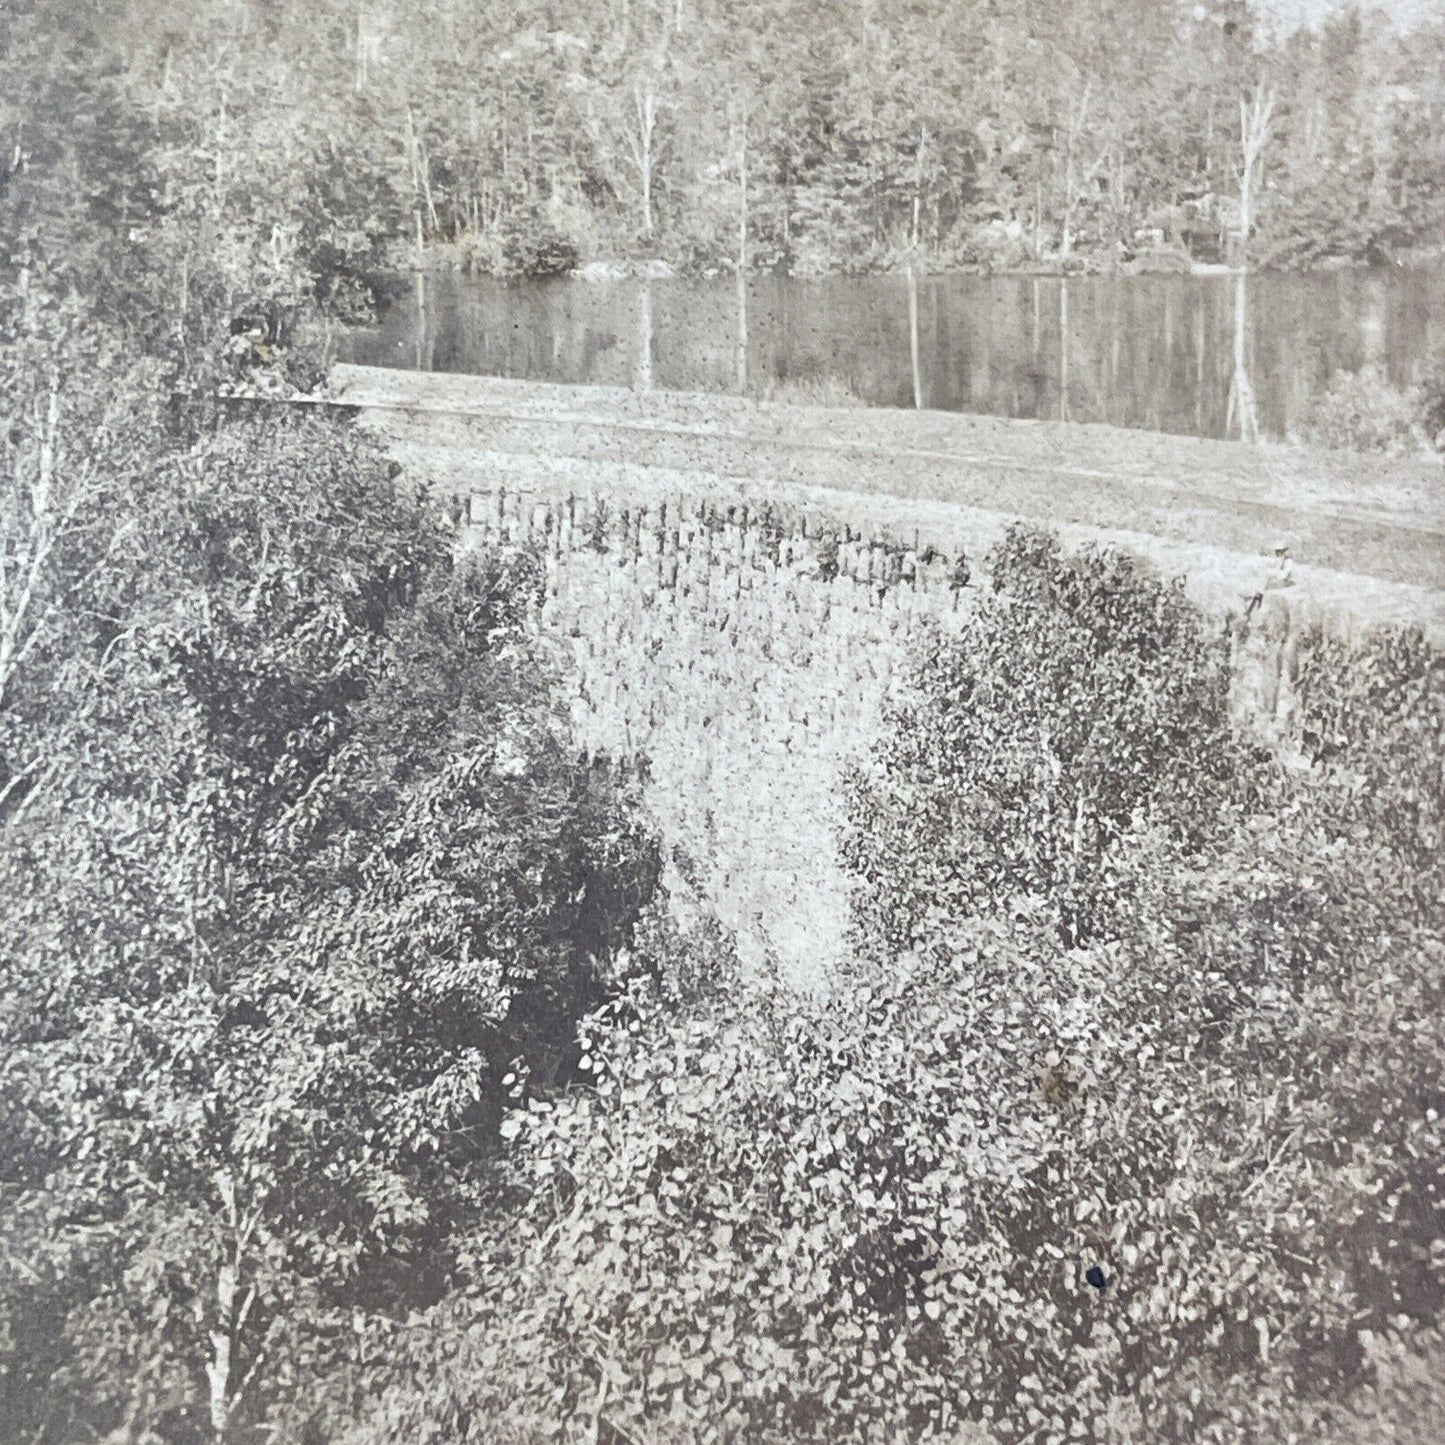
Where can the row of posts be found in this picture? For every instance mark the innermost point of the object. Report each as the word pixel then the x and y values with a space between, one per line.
pixel 681 534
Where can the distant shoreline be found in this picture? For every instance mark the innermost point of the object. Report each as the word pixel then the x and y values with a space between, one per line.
pixel 441 260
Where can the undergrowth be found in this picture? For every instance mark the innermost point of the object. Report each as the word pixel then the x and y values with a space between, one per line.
pixel 1123 1123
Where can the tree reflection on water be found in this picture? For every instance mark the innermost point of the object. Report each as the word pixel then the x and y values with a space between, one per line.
pixel 1215 356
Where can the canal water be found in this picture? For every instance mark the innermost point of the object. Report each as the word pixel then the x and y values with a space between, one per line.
pixel 1215 356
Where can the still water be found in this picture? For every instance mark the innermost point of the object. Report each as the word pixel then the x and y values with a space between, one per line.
pixel 1218 356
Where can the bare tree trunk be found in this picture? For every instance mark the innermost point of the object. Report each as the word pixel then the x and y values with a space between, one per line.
pixel 1118 204
pixel 641 143
pixel 223 1388
pixel 1073 181
pixel 918 183
pixel 1254 120
pixel 22 570
pixel 424 169
pixel 360 51
pixel 218 1369
pixel 1209 146
pixel 219 161
pixel 1073 127
pixel 411 148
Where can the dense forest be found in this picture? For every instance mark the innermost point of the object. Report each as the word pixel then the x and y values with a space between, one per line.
pixel 357 1084
pixel 818 136
pixel 360 1079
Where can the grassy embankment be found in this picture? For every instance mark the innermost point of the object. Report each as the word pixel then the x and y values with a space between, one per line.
pixel 718 649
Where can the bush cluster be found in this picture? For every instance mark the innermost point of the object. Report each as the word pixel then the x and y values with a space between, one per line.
pixel 1085 701
pixel 300 871
pixel 534 247
pixel 1124 1123
pixel 1362 411
pixel 352 1089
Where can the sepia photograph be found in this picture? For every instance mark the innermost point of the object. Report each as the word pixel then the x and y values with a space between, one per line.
pixel 722 722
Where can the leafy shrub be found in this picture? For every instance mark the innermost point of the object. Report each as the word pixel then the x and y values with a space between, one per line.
pixel 997 1185
pixel 1400 1403
pixel 482 253
pixel 350 215
pixel 1125 1123
pixel 300 869
pixel 1374 714
pixel 702 239
pixel 1082 700
pixel 877 1218
pixel 1246 898
pixel 989 243
pixel 1362 411
pixel 533 247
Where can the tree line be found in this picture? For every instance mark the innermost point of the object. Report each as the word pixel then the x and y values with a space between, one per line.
pixel 718 134
pixel 356 1086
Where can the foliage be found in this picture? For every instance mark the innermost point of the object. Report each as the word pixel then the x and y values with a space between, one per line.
pixel 944 132
pixel 195 214
pixel 1401 1403
pixel 1359 150
pixel 1376 713
pixel 350 215
pixel 299 868
pixel 534 248
pixel 1180 1183
pixel 1116 719
pixel 1126 1120
pixel 1361 411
